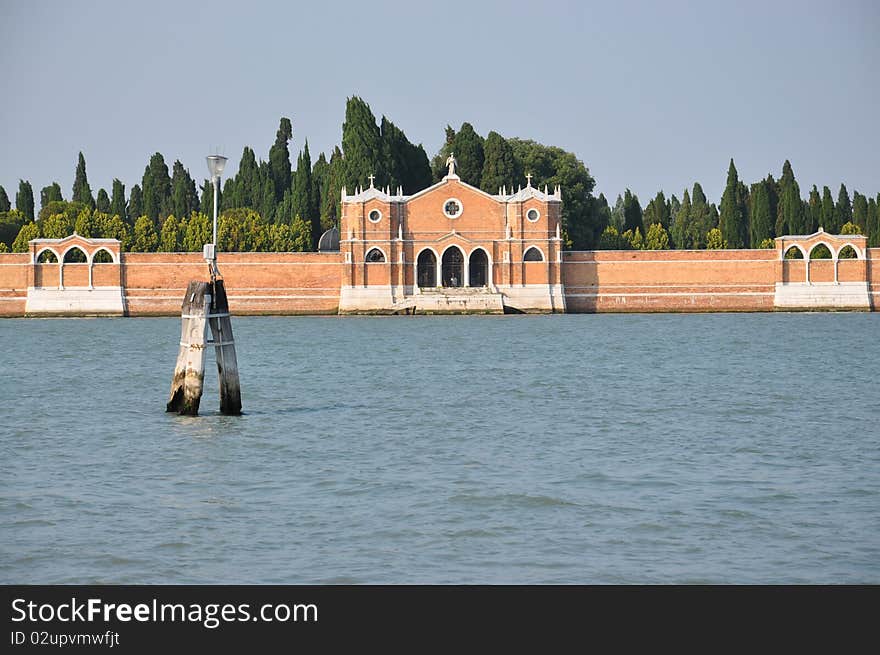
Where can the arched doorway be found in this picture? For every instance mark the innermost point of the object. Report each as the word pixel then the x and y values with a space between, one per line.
pixel 478 268
pixel 453 267
pixel 426 269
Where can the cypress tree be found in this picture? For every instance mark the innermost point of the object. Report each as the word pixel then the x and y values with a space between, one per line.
pixel 24 199
pixel 469 154
pixel 332 189
pixel 117 202
pixel 813 211
pixel 873 221
pixel 860 211
pixel 500 166
pixel 394 160
pixel 82 192
pixel 760 217
pixel 361 144
pixel 772 187
pixel 247 189
pixel 657 211
pixel 301 196
pixel 266 201
pixel 733 221
pixel 320 178
pixel 438 163
pixel 701 219
pixel 156 188
pixel 793 218
pixel 279 159
pixel 826 213
pixel 184 199
pixel 680 232
pixel 843 210
pixel 102 202
pixel 51 193
pixel 5 206
pixel 136 203
pixel 632 213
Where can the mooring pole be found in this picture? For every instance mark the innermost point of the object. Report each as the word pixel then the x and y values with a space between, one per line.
pixel 224 350
pixel 189 372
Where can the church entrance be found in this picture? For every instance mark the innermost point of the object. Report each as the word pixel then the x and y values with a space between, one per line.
pixel 427 269
pixel 453 268
pixel 478 268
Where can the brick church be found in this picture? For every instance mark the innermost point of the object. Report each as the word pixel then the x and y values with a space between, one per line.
pixel 451 247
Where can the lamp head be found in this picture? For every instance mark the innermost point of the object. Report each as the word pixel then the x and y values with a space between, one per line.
pixel 216 164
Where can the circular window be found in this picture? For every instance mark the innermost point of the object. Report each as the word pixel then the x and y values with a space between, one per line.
pixel 375 215
pixel 452 208
pixel 533 215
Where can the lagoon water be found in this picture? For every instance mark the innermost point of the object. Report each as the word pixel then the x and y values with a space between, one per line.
pixel 740 448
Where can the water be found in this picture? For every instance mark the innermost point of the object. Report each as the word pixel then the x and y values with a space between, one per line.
pixel 529 449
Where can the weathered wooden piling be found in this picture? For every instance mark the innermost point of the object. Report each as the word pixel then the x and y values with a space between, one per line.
pixel 224 349
pixel 189 372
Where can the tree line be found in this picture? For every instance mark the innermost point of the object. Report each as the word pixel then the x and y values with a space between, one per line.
pixel 275 206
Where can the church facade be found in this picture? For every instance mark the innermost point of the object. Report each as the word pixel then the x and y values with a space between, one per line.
pixel 451 248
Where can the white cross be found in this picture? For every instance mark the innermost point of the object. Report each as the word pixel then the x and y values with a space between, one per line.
pixel 529 179
pixel 371 178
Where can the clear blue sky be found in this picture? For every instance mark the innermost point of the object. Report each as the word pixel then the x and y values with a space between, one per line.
pixel 650 95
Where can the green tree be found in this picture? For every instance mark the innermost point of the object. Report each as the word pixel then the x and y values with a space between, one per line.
pixel 438 163
pixel 733 219
pixel 715 239
pixel 657 211
pixel 170 238
pixel 760 217
pixel 610 239
pixel 102 202
pixel 28 232
pixel 247 188
pixel 681 224
pixel 51 193
pixel 156 188
pixel 860 211
pixel 851 228
pixel 279 159
pixel 320 179
pixel 634 239
pixel 58 226
pixel 118 206
pixel 657 237
pixel 184 199
pixel 632 212
pixel 361 144
pixel 843 210
pixel 826 212
pixel 24 199
pixel 198 232
pixel 469 155
pixel 145 238
pixel 873 222
pixel 136 204
pixel 5 206
pixel 301 196
pixel 301 235
pixel 813 211
pixel 11 223
pixel 331 191
pixel 82 192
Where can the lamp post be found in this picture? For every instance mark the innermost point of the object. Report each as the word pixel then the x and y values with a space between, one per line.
pixel 216 164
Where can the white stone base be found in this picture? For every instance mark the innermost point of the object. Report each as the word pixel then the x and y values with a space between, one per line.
pixel 75 301
pixel 822 295
pixel 459 300
pixel 374 299
pixel 548 298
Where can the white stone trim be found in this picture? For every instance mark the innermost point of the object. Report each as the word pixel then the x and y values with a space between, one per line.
pixel 543 256
pixel 370 215
pixel 537 211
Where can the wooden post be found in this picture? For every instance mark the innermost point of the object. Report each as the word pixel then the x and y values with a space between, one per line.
pixel 189 372
pixel 224 348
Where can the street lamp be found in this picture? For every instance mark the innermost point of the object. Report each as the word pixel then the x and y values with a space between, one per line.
pixel 216 164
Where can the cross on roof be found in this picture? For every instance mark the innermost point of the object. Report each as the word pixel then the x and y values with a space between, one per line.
pixel 528 179
pixel 371 177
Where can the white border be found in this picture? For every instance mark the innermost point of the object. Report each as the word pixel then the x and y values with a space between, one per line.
pixel 460 208
pixel 369 213
pixel 537 218
pixel 526 261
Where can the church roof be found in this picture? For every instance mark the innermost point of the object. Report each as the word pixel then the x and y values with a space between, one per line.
pixel 385 195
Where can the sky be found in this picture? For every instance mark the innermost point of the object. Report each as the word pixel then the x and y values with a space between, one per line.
pixel 649 95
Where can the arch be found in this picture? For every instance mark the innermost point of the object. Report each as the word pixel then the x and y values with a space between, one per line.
pixel 375 256
pixel 426 268
pixel 71 256
pixel 51 257
pixel 478 268
pixel 794 251
pixel 533 254
pixel 848 251
pixel 103 256
pixel 821 250
pixel 453 267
